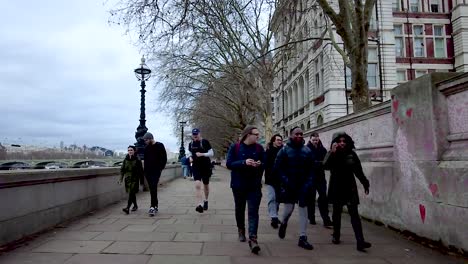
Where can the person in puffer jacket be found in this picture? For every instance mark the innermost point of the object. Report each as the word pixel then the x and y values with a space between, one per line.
pixel 344 164
pixel 294 164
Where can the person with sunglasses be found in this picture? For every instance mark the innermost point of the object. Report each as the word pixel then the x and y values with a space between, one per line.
pixel 245 159
pixel 344 165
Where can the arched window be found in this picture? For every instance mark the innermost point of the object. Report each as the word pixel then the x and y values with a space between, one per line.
pixel 295 98
pixel 308 124
pixel 286 103
pixel 301 92
pixel 306 88
pixel 302 127
pixel 319 120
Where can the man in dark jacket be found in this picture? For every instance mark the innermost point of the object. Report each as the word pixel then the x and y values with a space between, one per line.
pixel 344 164
pixel 154 162
pixel 320 183
pixel 295 166
pixel 272 180
pixel 245 159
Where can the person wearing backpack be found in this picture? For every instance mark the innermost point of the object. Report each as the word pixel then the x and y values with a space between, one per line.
pixel 245 159
pixel 201 167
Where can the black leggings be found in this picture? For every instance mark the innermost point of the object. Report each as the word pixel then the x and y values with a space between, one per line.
pixel 132 200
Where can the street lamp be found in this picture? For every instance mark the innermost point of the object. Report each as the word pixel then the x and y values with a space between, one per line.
pixel 182 149
pixel 143 73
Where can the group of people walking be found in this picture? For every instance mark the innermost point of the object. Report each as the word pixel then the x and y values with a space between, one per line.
pixel 294 173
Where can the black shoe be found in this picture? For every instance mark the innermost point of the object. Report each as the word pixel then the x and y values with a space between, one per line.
pixel 205 205
pixel 328 223
pixel 242 237
pixel 275 222
pixel 199 208
pixel 312 222
pixel 253 244
pixel 361 246
pixel 134 208
pixel 125 210
pixel 282 231
pixel 304 244
pixel 335 240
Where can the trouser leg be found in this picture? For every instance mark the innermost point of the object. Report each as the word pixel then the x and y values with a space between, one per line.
pixel 253 202
pixel 302 221
pixel 272 204
pixel 311 205
pixel 323 201
pixel 130 200
pixel 356 222
pixel 337 209
pixel 288 209
pixel 240 200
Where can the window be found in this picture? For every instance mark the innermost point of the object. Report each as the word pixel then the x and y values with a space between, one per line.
pixel 414 5
pixel 319 120
pixel 318 76
pixel 435 6
pixel 439 42
pixel 372 70
pixel 420 73
pixel 401 76
pixel 396 5
pixel 399 41
pixel 418 44
pixel 373 21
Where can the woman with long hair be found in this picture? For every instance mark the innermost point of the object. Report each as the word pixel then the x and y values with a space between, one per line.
pixel 131 173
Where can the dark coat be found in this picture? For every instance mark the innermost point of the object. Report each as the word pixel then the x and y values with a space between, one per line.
pixel 271 176
pixel 343 166
pixel 243 176
pixel 131 173
pixel 318 154
pixel 155 159
pixel 294 164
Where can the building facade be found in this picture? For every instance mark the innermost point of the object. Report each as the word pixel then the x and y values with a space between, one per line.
pixel 407 39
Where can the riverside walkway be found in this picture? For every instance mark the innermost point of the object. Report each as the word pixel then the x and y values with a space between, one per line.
pixel 178 234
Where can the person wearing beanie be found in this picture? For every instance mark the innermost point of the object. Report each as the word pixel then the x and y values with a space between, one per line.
pixel 155 160
pixel 131 173
pixel 294 164
pixel 245 159
pixel 201 152
pixel 344 165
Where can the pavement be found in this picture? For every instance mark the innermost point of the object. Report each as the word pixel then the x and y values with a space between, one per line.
pixel 179 234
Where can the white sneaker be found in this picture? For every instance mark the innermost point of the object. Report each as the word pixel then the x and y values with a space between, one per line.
pixel 151 211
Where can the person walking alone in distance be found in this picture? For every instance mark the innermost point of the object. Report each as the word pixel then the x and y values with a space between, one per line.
pixel 154 162
pixel 201 167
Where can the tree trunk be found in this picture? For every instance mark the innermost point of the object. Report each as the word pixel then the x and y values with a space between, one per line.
pixel 360 91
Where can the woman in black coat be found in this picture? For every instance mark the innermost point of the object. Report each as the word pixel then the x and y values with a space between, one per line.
pixel 272 180
pixel 344 164
pixel 131 173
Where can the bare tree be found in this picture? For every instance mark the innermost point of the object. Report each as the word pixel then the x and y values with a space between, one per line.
pixel 195 43
pixel 352 25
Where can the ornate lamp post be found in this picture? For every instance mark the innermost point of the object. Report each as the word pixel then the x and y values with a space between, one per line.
pixel 143 73
pixel 182 149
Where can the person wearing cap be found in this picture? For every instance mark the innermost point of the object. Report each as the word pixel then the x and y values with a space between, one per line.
pixel 344 165
pixel 154 162
pixel 246 159
pixel 201 152
pixel 294 164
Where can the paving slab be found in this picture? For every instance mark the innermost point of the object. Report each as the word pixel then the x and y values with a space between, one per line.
pixel 34 258
pixel 124 247
pixel 135 236
pixel 107 259
pixel 158 259
pixel 174 248
pixel 73 246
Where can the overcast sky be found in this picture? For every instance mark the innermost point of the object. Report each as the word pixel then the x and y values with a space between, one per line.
pixel 67 75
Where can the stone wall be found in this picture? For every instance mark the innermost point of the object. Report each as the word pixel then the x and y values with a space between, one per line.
pixel 414 150
pixel 34 200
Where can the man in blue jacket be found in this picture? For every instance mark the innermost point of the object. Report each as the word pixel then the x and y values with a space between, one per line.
pixel 245 159
pixel 294 164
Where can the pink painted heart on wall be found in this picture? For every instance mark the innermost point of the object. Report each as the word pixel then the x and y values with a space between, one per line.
pixel 422 212
pixel 434 188
pixel 409 112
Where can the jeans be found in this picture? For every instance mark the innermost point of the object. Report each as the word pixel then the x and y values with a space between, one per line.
pixel 153 180
pixel 322 201
pixel 185 171
pixel 288 209
pixel 253 199
pixel 272 204
pixel 355 221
